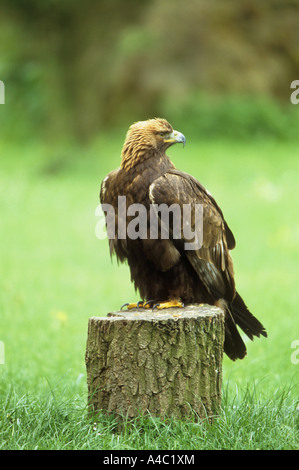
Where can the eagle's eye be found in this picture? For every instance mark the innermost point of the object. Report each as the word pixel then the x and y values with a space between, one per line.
pixel 163 134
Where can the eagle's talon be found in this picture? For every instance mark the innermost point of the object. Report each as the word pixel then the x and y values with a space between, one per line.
pixel 130 306
pixel 149 304
pixel 124 305
pixel 137 305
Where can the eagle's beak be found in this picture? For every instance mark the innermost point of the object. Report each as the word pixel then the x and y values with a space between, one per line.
pixel 176 137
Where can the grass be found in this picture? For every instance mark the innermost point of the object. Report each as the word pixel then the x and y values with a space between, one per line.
pixel 55 274
pixel 245 421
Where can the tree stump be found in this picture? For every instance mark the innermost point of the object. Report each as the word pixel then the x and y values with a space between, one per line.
pixel 167 362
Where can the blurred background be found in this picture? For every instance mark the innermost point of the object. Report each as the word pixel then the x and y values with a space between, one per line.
pixel 76 75
pixel 75 69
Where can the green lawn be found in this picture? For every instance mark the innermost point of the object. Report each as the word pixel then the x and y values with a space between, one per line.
pixel 55 274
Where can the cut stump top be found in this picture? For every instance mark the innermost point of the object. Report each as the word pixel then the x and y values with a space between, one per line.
pixel 190 311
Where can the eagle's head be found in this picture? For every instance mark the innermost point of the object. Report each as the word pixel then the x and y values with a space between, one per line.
pixel 145 138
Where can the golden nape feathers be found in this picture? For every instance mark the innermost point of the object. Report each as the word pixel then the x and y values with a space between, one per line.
pixel 145 138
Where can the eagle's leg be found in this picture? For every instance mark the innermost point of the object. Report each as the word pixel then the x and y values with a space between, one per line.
pixel 154 304
pixel 171 303
pixel 139 304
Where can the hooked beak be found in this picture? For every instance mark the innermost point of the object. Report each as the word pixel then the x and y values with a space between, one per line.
pixel 176 137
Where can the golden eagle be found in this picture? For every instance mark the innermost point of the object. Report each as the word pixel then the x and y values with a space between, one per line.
pixel 164 272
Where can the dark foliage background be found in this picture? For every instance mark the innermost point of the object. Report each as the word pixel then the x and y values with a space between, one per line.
pixel 77 68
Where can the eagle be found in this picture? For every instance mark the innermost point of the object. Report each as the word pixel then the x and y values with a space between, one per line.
pixel 172 268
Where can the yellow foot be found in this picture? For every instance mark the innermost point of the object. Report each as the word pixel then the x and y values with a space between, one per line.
pixel 170 304
pixel 139 304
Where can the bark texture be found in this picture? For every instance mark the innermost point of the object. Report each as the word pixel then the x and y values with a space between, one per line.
pixel 165 362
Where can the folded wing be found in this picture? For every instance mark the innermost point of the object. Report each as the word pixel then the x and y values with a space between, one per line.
pixel 210 258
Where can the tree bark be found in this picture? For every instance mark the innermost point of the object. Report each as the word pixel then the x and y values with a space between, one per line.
pixel 166 362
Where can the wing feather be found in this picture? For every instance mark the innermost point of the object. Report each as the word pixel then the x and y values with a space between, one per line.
pixel 212 261
pixel 109 196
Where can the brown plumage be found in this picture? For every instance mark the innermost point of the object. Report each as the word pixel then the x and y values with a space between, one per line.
pixel 162 269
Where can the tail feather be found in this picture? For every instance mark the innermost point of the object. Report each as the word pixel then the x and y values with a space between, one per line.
pixel 234 346
pixel 238 314
pixel 244 318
